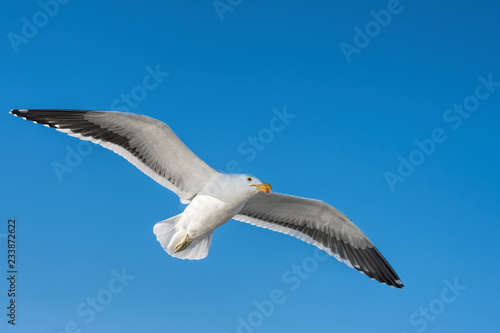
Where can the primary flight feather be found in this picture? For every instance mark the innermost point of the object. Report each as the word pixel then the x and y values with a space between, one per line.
pixel 214 197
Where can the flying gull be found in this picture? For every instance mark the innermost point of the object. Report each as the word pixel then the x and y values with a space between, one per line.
pixel 215 197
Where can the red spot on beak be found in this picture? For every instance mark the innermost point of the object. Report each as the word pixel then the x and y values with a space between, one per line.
pixel 267 190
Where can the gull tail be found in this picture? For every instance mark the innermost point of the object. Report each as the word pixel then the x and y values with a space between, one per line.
pixel 169 232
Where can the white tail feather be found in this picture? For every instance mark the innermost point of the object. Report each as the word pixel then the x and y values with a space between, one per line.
pixel 168 232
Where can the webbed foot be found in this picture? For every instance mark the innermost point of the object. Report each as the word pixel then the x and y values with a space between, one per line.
pixel 183 244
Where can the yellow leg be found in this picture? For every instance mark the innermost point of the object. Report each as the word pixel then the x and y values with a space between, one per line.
pixel 183 244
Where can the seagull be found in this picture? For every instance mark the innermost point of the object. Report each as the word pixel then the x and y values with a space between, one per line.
pixel 215 197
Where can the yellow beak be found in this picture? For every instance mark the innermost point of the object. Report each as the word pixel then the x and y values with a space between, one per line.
pixel 264 187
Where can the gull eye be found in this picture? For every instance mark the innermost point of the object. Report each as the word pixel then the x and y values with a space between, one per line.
pixel 249 179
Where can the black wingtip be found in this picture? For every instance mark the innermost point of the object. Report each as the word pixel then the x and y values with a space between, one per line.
pixel 398 284
pixel 18 112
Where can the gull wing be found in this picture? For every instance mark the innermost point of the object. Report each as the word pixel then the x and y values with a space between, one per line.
pixel 321 225
pixel 147 143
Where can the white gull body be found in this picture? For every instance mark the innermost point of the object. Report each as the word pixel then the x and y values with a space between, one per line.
pixel 215 197
pixel 219 201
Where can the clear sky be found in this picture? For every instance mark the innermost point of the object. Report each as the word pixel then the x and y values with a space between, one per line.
pixel 392 117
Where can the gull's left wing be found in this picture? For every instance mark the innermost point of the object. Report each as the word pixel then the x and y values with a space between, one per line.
pixel 321 225
pixel 145 142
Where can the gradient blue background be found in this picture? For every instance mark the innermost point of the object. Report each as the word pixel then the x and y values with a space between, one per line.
pixel 352 122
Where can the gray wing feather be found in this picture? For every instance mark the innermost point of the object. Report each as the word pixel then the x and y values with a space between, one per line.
pixel 147 143
pixel 321 225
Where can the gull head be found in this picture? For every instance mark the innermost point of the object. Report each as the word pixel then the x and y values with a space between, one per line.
pixel 248 185
pixel 236 187
pixel 256 185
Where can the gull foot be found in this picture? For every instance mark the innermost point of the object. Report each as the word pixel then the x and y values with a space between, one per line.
pixel 183 244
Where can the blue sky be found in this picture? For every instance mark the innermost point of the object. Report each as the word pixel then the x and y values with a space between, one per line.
pixel 400 133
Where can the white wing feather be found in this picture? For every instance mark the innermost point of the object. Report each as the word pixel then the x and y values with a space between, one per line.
pixel 321 225
pixel 147 143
